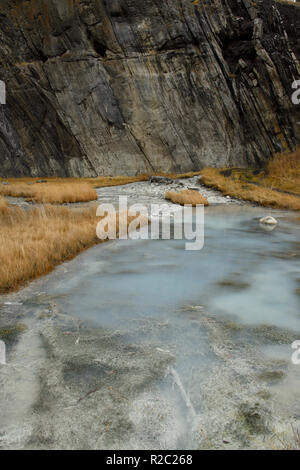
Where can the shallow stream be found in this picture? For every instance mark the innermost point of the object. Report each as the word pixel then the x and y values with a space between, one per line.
pixel 142 344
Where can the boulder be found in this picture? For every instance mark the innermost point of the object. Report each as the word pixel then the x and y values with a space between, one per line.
pixel 160 180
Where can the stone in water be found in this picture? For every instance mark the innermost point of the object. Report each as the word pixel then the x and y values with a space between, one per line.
pixel 268 220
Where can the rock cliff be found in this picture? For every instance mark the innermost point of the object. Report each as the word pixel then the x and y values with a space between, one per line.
pixel 134 86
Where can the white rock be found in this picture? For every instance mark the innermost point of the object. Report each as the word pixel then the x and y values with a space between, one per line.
pixel 268 220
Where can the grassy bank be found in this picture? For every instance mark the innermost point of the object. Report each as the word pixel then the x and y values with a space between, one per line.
pixel 186 196
pixel 98 182
pixel 277 186
pixel 50 193
pixel 34 242
pixel 68 190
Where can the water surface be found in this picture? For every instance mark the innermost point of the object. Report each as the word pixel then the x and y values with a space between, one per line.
pixel 166 348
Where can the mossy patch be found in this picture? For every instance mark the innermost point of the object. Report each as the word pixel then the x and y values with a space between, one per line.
pixel 232 326
pixel 234 284
pixel 271 375
pixel 252 417
pixel 274 335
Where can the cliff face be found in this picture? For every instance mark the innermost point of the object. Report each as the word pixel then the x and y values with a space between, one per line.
pixel 290 15
pixel 130 86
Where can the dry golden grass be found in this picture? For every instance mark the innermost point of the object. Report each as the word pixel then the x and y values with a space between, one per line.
pixel 101 181
pixel 267 197
pixel 186 196
pixel 68 190
pixel 98 182
pixel 289 2
pixel 34 242
pixel 179 175
pixel 276 186
pixel 3 207
pixel 283 172
pixel 106 181
pixel 290 440
pixel 50 193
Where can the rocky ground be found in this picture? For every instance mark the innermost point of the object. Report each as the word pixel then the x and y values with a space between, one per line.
pixel 148 192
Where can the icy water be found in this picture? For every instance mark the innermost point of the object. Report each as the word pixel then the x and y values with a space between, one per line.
pixel 142 344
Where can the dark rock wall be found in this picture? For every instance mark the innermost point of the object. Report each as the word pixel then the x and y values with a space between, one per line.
pixel 133 86
pixel 291 21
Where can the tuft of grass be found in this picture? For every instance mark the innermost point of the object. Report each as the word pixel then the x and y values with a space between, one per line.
pixel 33 242
pixel 290 440
pixel 276 186
pixel 51 193
pixel 186 196
pixel 10 333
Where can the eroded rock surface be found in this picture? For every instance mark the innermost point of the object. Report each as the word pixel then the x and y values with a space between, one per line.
pixel 130 86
